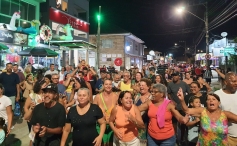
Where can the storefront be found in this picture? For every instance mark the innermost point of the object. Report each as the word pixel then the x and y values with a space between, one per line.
pixel 16 15
pixel 200 58
pixel 77 48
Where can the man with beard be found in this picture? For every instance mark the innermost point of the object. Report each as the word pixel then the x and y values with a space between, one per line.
pixel 172 89
pixel 10 82
pixel 48 119
pixel 106 100
pixel 228 97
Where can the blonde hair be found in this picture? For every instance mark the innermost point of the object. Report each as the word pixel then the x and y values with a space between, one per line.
pixel 27 69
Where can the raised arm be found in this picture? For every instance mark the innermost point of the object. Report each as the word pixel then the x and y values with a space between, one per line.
pixel 196 112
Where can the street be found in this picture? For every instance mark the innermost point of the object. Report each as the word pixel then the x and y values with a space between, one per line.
pixel 19 135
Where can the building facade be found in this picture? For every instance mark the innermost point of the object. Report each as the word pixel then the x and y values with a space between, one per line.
pixel 57 13
pixel 16 14
pixel 125 47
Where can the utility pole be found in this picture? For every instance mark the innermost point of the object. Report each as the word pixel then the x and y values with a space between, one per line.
pixel 98 37
pixel 207 36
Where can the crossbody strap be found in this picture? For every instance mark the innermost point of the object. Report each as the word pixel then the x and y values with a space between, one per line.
pixel 102 99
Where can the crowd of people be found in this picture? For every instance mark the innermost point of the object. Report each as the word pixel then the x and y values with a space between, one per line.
pixel 135 107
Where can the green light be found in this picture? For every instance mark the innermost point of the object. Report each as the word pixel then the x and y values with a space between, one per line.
pixel 98 17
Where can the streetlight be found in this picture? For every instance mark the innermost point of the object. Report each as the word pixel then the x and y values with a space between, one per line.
pixel 182 9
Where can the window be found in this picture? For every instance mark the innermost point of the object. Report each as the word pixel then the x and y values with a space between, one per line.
pixel 64 5
pixel 107 44
pixel 80 13
pixel 9 7
pixel 5 5
pixel 5 19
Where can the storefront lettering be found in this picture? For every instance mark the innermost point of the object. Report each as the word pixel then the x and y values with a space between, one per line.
pixel 7 35
pixel 72 22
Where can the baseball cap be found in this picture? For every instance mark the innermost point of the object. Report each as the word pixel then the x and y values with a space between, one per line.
pixel 175 74
pixel 51 87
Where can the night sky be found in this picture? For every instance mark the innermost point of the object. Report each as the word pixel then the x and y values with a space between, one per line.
pixel 159 26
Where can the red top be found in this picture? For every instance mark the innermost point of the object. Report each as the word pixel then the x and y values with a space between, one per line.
pixel 88 77
pixel 153 129
pixel 198 71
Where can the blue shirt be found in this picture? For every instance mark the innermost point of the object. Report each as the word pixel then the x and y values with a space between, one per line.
pixel 99 84
pixel 9 82
pixel 61 89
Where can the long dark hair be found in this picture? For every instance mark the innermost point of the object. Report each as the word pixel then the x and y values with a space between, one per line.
pixel 82 82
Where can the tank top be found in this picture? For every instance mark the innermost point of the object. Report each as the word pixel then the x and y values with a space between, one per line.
pixel 106 111
pixel 125 87
pixel 69 89
pixel 154 130
pixel 125 126
pixel 213 133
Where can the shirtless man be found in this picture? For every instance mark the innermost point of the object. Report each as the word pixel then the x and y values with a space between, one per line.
pixel 106 100
pixel 188 78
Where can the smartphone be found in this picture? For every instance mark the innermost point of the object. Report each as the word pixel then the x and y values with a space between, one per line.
pixel 133 82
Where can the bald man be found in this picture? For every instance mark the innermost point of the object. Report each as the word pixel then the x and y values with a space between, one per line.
pixel 228 97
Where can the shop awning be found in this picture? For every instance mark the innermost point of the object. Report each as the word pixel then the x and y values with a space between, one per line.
pixel 76 44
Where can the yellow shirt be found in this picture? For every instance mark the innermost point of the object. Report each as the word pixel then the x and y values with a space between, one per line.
pixel 125 87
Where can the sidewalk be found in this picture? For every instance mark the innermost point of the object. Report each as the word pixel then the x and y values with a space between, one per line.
pixel 18 135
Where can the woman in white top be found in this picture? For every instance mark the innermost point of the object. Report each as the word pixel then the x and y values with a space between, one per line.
pixel 62 74
pixel 6 109
pixel 34 98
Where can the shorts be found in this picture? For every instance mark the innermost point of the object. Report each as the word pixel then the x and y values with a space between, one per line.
pixel 13 99
pixel 134 142
pixel 108 135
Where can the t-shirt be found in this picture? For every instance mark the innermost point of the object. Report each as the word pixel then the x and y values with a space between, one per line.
pixel 84 126
pixel 9 82
pixel 99 84
pixel 2 136
pixel 51 72
pixel 229 103
pixel 4 103
pixel 50 117
pixel 193 131
pixel 173 89
pixel 61 89
pixel 203 90
pixel 21 76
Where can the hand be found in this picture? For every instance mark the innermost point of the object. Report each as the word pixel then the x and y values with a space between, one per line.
pixel 197 119
pixel 32 105
pixel 118 134
pixel 8 132
pixel 17 98
pixel 180 94
pixel 36 128
pixel 43 131
pixel 97 141
pixel 130 117
pixel 185 119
